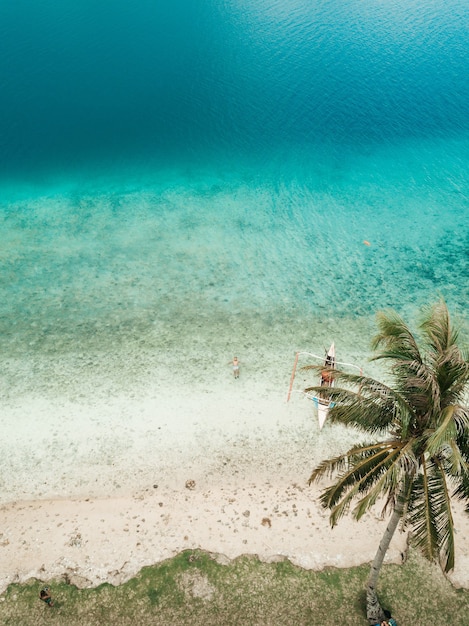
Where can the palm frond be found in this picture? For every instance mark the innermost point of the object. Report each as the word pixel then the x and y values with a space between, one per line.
pixel 455 464
pixel 444 516
pixel 388 484
pixel 353 381
pixel 328 468
pixel 339 463
pixel 462 490
pixel 373 471
pixel 342 506
pixel 452 377
pixel 402 465
pixel 437 329
pixel 422 515
pixel 462 477
pixel 431 516
pixel 360 462
pixel 445 359
pixel 444 433
pixel 373 408
pixel 406 495
pixel 352 409
pixel 396 338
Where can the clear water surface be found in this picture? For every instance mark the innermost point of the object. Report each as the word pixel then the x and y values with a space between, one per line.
pixel 208 177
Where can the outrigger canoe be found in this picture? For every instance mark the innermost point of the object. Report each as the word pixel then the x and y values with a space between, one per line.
pixel 325 380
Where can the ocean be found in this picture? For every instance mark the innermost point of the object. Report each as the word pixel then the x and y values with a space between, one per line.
pixel 199 179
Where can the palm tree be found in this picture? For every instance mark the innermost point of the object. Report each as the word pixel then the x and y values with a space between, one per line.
pixel 423 459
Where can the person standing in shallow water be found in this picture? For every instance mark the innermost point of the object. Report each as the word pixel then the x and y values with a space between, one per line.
pixel 235 367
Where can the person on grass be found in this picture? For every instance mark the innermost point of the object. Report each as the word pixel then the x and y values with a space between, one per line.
pixel 45 596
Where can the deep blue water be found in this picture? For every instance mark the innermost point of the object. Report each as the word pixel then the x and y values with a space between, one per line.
pixel 234 154
pixel 183 79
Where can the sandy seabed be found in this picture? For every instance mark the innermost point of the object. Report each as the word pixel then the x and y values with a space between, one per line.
pixel 98 484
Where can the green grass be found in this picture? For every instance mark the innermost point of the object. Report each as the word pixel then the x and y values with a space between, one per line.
pixel 194 589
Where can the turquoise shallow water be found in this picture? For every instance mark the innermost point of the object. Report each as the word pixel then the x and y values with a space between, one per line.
pixel 181 182
pixel 207 249
pixel 205 178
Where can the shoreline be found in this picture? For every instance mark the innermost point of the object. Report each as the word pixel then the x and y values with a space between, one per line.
pixel 131 481
pixel 91 541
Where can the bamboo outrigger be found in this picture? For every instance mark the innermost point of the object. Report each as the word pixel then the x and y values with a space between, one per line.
pixel 326 379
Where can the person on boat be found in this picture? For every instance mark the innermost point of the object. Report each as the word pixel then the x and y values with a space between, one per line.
pixel 326 378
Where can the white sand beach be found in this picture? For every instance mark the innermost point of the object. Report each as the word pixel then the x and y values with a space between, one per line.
pixel 98 483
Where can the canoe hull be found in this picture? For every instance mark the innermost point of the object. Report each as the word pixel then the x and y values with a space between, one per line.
pixel 323 410
pixel 326 381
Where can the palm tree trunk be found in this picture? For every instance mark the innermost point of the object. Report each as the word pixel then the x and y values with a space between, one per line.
pixel 374 611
